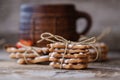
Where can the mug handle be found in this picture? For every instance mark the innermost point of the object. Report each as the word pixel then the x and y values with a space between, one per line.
pixel 88 20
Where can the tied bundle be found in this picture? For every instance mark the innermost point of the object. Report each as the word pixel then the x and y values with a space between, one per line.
pixel 27 49
pixel 100 46
pixel 55 39
pixel 28 54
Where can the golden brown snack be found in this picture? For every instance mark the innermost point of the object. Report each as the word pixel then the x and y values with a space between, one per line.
pixel 77 60
pixel 41 59
pixel 68 50
pixel 70 46
pixel 93 51
pixel 22 55
pixel 68 55
pixel 101 58
pixel 21 61
pixel 100 44
pixel 102 52
pixel 32 61
pixel 11 49
pixel 68 66
pixel 12 55
pixel 43 50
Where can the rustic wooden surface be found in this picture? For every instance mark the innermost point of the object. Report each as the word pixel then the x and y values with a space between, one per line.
pixel 10 70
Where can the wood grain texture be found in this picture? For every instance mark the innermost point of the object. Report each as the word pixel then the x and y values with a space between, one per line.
pixel 96 71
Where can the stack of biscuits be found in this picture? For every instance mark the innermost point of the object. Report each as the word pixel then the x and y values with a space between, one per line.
pixel 102 50
pixel 75 57
pixel 36 55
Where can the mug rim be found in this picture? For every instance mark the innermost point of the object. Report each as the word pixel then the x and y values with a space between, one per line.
pixel 23 6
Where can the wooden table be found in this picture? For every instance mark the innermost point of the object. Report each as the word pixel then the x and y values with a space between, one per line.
pixel 10 70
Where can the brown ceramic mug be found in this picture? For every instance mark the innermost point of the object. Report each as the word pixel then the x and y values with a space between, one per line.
pixel 59 19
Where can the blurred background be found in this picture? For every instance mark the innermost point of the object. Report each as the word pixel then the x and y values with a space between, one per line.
pixel 104 13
